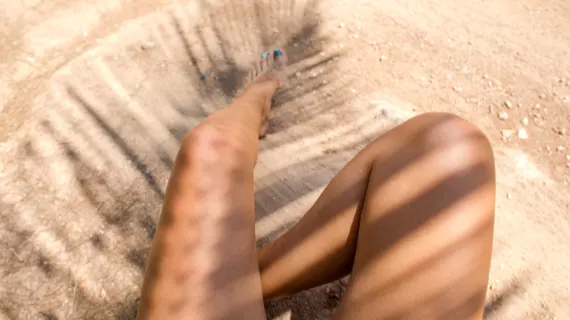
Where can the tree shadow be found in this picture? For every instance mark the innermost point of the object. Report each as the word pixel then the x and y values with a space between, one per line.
pixel 97 162
pixel 116 135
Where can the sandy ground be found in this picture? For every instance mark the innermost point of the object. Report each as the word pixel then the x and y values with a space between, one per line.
pixel 95 95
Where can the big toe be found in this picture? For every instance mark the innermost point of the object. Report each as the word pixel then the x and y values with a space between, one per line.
pixel 280 58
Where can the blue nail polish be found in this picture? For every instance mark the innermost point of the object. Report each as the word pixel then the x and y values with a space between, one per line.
pixel 277 52
pixel 263 56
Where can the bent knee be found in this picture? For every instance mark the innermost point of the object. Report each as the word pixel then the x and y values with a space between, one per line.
pixel 211 146
pixel 454 137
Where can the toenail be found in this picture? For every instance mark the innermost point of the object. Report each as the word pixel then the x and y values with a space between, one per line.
pixel 277 52
pixel 263 56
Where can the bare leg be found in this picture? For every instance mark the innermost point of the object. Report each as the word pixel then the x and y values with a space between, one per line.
pixel 410 217
pixel 202 263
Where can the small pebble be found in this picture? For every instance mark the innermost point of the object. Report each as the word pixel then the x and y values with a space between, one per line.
pixel 355 36
pixel 507 133
pixel 383 58
pixel 561 131
pixel 147 45
pixel 568 157
pixel 522 134
pixel 457 89
pixel 485 76
pixel 508 104
pixel 524 121
pixel 322 54
pixel 341 25
pixel 295 45
pixel 560 148
pixel 353 90
pixel 503 115
pixel 509 196
pixel 542 96
pixel 568 165
pixel 297 74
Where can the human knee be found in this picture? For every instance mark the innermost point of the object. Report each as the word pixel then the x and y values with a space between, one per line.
pixel 211 146
pixel 445 132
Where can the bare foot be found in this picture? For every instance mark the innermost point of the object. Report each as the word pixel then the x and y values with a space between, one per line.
pixel 269 72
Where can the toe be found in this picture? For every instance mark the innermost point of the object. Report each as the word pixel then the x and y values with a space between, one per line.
pixel 270 61
pixel 265 61
pixel 280 58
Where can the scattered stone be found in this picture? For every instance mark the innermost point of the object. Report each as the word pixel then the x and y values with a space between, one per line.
pixel 297 74
pixel 561 131
pixel 522 134
pixel 355 36
pixel 536 106
pixel 275 30
pixel 295 45
pixel 330 151
pixel 383 58
pixel 560 148
pixel 542 96
pixel 509 196
pixel 524 121
pixel 568 157
pixel 341 25
pixel 147 45
pixel 568 165
pixel 322 54
pixel 503 115
pixel 485 76
pixel 353 90
pixel 508 104
pixel 457 89
pixel 507 133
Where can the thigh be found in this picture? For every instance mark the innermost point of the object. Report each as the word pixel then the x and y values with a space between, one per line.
pixel 202 262
pixel 426 228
